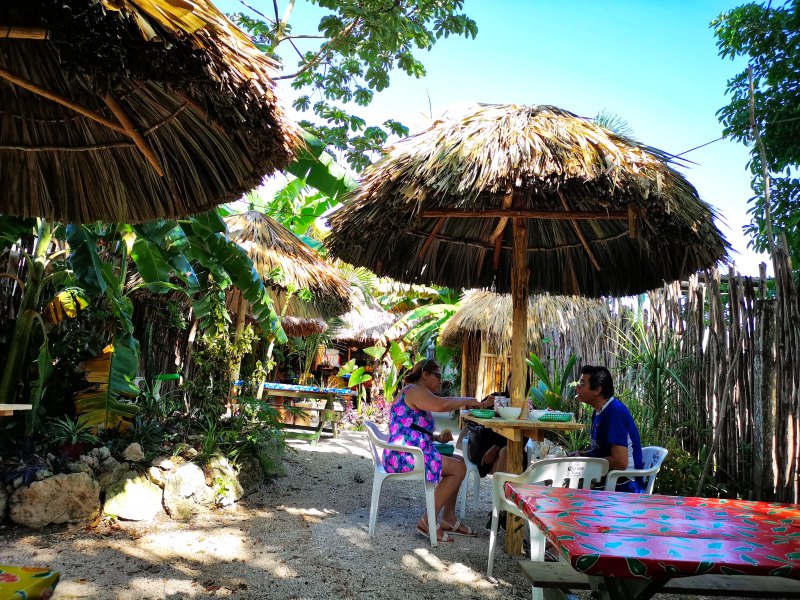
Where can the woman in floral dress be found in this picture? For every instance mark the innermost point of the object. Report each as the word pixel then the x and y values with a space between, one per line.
pixel 411 423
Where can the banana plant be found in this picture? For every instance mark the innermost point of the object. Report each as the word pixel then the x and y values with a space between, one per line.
pixel 40 275
pixel 550 391
pixel 356 378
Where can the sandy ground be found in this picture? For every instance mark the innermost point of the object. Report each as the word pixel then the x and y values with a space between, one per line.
pixel 303 536
pixel 300 536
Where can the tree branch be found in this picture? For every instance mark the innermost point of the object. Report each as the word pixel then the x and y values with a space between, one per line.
pixel 326 48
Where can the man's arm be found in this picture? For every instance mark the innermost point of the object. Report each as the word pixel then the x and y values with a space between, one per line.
pixel 618 461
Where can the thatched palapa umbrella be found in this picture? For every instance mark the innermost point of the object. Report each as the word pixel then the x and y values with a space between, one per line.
pixel 272 247
pixel 513 197
pixel 132 110
pixel 557 327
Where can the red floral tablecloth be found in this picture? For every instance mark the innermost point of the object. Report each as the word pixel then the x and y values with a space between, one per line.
pixel 632 535
pixel 27 583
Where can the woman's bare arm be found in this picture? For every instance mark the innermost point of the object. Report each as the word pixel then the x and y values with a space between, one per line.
pixel 421 399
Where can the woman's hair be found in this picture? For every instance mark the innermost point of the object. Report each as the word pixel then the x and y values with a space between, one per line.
pixel 423 366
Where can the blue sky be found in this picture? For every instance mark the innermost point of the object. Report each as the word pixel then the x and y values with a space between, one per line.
pixel 652 63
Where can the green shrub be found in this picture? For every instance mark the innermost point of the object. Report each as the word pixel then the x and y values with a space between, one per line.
pixel 680 474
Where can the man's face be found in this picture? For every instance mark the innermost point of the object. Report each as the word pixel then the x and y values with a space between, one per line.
pixel 585 393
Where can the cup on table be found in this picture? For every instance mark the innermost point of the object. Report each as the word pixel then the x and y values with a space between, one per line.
pixel 501 401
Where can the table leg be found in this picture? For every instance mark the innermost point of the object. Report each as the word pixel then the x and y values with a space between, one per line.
pixel 515 527
pixel 613 588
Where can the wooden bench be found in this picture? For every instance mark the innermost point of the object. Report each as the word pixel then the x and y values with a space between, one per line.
pixel 313 433
pixel 554 576
pixel 6 410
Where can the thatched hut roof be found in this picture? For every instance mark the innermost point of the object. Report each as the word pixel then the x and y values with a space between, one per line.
pixel 131 110
pixel 271 246
pixel 604 215
pixel 490 315
pixel 303 327
pixel 365 324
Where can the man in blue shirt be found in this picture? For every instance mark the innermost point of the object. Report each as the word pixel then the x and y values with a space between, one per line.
pixel 615 436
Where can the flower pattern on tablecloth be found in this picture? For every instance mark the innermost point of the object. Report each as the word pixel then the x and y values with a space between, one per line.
pixel 621 535
pixel 401 418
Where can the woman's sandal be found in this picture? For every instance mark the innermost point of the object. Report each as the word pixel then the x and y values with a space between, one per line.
pixel 459 529
pixel 445 539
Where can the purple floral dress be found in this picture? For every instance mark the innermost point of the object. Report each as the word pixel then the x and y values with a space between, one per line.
pixel 401 419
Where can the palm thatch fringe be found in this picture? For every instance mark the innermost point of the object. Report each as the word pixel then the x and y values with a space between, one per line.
pixel 116 93
pixel 489 314
pixel 303 327
pixel 365 325
pixel 526 158
pixel 272 247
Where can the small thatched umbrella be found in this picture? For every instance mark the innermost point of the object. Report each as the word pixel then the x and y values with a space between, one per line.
pixel 515 196
pixel 131 110
pixel 272 247
pixel 365 324
pixel 557 327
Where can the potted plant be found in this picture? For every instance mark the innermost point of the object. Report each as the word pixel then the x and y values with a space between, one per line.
pixel 550 391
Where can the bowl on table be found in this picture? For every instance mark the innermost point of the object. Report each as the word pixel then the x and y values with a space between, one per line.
pixel 509 412
pixel 445 449
pixel 535 415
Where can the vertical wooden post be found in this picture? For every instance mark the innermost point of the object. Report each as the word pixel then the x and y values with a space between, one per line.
pixel 519 345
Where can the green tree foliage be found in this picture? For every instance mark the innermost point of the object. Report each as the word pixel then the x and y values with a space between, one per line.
pixel 357 45
pixel 768 36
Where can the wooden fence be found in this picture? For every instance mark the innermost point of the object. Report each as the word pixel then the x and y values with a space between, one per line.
pixel 743 343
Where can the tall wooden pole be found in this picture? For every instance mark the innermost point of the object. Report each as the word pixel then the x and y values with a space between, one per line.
pixel 519 345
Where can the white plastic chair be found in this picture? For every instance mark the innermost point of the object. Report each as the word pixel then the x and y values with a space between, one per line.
pixel 572 472
pixel 472 469
pixel 378 443
pixel 652 457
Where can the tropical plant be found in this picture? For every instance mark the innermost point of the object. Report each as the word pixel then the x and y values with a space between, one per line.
pixel 654 383
pixel 64 431
pixel 356 378
pixel 349 57
pixel 39 275
pixel 551 391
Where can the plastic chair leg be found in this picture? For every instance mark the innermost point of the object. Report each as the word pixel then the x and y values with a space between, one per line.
pixel 462 497
pixel 377 482
pixel 476 489
pixel 431 503
pixel 493 540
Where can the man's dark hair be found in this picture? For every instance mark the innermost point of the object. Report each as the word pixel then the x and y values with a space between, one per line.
pixel 599 377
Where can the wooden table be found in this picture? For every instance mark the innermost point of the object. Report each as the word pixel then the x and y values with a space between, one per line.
pixel 6 410
pixel 515 430
pixel 632 545
pixel 326 415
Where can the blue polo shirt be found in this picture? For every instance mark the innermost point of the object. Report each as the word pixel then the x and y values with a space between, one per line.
pixel 613 425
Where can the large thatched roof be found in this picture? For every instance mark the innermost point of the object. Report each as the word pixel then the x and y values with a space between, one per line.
pixel 271 246
pixel 437 208
pixel 490 315
pixel 130 110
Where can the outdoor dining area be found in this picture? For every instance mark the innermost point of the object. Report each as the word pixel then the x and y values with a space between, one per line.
pixel 536 229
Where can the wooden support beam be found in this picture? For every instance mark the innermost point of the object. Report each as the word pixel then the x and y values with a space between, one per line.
pixel 12 32
pixel 611 215
pixel 496 237
pixel 436 228
pixel 32 87
pixel 633 221
pixel 133 133
pixel 579 233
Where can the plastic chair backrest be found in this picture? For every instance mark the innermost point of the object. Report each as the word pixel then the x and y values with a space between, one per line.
pixel 374 435
pixel 653 457
pixel 571 472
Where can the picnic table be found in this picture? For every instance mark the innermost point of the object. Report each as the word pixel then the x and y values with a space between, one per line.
pixel 633 545
pixel 27 582
pixel 328 414
pixel 515 430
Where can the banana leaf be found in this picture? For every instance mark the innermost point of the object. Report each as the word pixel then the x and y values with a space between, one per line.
pixel 111 374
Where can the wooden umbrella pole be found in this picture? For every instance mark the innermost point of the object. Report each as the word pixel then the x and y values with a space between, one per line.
pixel 519 343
